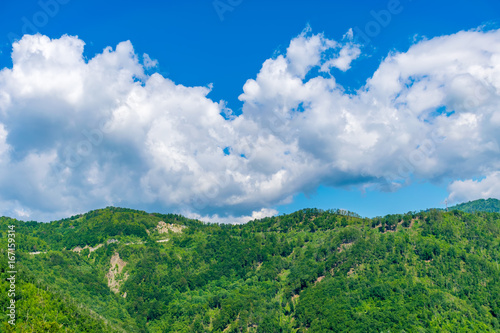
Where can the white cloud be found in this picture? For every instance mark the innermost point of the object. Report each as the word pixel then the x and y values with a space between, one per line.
pixel 4 147
pixel 346 55
pixel 76 135
pixel 467 190
pixel 256 215
pixel 148 62
pixel 22 213
pixel 308 50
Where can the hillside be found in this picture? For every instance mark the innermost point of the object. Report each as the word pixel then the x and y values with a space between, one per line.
pixel 121 270
pixel 481 205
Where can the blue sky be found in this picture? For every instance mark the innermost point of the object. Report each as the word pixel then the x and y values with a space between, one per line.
pixel 219 46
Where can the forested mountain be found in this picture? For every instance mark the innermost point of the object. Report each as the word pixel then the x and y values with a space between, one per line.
pixel 121 270
pixel 481 205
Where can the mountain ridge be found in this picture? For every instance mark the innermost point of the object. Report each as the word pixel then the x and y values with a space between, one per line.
pixel 311 270
pixel 490 205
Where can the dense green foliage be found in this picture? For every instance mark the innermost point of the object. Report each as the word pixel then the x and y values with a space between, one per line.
pixel 313 270
pixel 481 205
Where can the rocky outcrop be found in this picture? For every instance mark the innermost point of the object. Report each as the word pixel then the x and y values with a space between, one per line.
pixel 114 275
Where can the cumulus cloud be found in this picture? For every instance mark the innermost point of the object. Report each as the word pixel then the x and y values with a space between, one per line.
pixel 76 134
pixel 467 190
pixel 426 113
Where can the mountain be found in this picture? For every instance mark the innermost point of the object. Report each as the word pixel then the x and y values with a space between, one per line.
pixel 481 205
pixel 122 270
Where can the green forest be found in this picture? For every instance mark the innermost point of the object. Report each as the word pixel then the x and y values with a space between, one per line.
pixel 123 270
pixel 481 205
